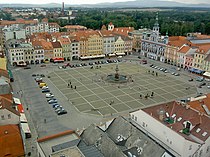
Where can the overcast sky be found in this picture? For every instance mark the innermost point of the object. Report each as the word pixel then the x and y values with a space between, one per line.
pixel 87 1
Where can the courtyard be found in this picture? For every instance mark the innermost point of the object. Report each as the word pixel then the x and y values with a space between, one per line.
pixel 95 96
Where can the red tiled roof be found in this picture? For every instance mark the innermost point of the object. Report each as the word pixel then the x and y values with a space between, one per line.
pixel 75 27
pixel 186 114
pixel 106 33
pixel 9 97
pixel 197 105
pixel 6 104
pixel 123 30
pixel 54 24
pixel 47 45
pixel 184 49
pixel 203 49
pixel 64 41
pixel 10 141
pixel 178 41
pixel 56 44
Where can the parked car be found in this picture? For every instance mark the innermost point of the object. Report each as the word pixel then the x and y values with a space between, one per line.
pixel 173 73
pixel 190 80
pixel 52 101
pixel 199 78
pixel 27 67
pixel 42 75
pixel 49 95
pixel 62 112
pixel 45 87
pixel 45 90
pixel 176 74
pixel 55 105
pixel 43 65
pixel 33 75
pixel 203 84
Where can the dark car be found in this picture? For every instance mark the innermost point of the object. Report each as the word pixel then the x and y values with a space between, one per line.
pixel 42 75
pixel 45 90
pixel 27 67
pixel 51 99
pixel 43 65
pixel 33 75
pixel 190 80
pixel 203 84
pixel 62 112
pixel 55 105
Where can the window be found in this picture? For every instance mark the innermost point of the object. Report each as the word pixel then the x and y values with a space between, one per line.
pixel 2 117
pixel 190 147
pixel 135 118
pixel 9 116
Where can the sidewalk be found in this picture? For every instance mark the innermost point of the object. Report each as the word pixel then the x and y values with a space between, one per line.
pixel 30 143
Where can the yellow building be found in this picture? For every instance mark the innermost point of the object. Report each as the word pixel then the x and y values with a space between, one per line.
pixel 199 57
pixel 57 49
pixel 3 63
pixel 119 45
pixel 91 44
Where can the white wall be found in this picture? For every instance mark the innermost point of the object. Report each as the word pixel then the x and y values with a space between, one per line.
pixel 168 137
pixel 39 151
pixel 14 119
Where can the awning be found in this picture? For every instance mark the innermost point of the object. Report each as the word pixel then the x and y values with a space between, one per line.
pixel 23 118
pixel 120 54
pixel 207 74
pixel 112 54
pixel 198 71
pixel 20 108
pixel 89 57
pixel 16 100
pixel 25 127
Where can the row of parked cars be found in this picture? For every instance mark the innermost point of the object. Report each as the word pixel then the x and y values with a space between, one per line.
pixel 50 97
pixel 163 70
pixel 90 63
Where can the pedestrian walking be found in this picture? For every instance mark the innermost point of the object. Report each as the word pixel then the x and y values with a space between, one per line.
pixel 68 85
pixel 75 87
pixel 45 120
pixel 140 96
pixel 152 94
pixel 71 86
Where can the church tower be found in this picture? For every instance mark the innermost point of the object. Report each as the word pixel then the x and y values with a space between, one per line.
pixel 156 28
pixel 110 26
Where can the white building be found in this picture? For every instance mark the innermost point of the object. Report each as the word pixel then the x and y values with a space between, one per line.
pixel 8 115
pixel 37 27
pixel 152 45
pixel 53 27
pixel 180 129
pixel 19 53
pixel 108 42
pixel 38 52
pixel 13 33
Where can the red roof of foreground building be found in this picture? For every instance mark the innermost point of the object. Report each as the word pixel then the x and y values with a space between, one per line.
pixel 10 141
pixel 182 113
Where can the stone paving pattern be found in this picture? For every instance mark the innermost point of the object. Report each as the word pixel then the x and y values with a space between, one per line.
pixel 93 95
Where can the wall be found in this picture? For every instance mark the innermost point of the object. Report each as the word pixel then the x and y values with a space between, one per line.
pixel 168 137
pixel 14 119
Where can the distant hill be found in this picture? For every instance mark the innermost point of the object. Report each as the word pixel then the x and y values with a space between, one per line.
pixel 137 3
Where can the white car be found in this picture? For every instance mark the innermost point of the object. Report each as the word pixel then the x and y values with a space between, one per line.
pixel 45 87
pixel 208 86
pixel 49 95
